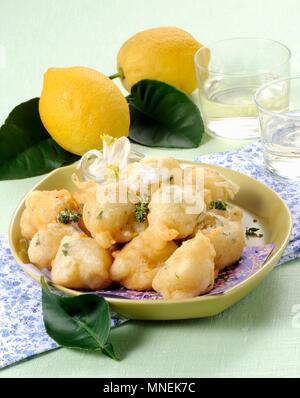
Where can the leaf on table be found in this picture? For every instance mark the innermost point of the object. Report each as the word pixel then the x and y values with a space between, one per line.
pixel 161 115
pixel 108 350
pixel 26 148
pixel 77 322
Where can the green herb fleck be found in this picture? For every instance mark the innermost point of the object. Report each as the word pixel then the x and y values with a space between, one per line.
pixel 254 220
pixel 65 249
pixel 253 233
pixel 141 211
pixel 68 216
pixel 38 241
pixel 100 215
pixel 218 204
pixel 177 276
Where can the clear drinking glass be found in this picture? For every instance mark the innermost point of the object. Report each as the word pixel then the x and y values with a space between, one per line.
pixel 280 126
pixel 229 72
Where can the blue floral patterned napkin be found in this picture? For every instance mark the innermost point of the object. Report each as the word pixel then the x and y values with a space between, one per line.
pixel 249 160
pixel 22 332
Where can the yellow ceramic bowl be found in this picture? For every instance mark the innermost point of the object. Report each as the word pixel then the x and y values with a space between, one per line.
pixel 256 199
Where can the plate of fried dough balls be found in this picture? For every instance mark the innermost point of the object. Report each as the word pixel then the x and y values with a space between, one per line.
pixel 142 233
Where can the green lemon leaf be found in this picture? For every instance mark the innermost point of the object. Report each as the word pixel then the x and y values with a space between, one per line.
pixel 26 148
pixel 161 115
pixel 77 322
pixel 108 350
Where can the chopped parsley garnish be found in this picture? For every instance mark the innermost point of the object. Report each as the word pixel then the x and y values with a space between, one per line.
pixel 99 216
pixel 253 233
pixel 218 204
pixel 38 241
pixel 65 249
pixel 141 210
pixel 254 220
pixel 68 216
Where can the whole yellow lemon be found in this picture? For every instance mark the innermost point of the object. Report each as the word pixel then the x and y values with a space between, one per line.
pixel 165 54
pixel 79 104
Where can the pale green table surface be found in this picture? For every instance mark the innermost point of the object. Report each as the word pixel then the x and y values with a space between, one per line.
pixel 257 337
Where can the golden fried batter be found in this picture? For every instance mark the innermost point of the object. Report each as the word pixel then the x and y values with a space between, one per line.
pixel 138 262
pixel 170 209
pixel 218 186
pixel 146 176
pixel 42 208
pixel 107 218
pixel 45 243
pixel 226 233
pixel 189 272
pixel 81 264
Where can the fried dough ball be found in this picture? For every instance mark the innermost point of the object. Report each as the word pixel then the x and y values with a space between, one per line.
pixel 218 186
pixel 80 198
pixel 189 272
pixel 84 188
pixel 108 219
pixel 45 243
pixel 160 162
pixel 146 176
pixel 171 207
pixel 28 229
pixel 42 208
pixel 81 264
pixel 137 263
pixel 233 213
pixel 226 233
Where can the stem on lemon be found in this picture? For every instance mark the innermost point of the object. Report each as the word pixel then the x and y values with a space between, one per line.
pixel 116 75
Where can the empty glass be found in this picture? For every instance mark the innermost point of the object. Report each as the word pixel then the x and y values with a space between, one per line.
pixel 229 72
pixel 280 126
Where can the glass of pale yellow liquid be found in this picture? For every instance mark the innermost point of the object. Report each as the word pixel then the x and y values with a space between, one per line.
pixel 229 72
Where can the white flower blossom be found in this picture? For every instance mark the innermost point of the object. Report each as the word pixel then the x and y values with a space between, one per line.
pixel 106 165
